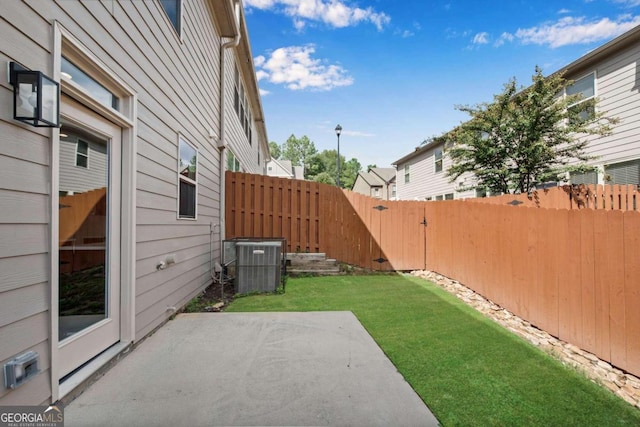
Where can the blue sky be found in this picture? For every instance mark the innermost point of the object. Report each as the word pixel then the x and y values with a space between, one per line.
pixel 391 72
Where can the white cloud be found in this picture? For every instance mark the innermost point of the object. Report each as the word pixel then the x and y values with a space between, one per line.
pixel 481 38
pixel 572 30
pixel 295 68
pixel 356 133
pixel 335 13
pixel 264 92
pixel 504 37
pixel 628 3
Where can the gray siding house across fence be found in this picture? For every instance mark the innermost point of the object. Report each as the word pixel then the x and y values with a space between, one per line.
pixel 610 73
pixel 111 223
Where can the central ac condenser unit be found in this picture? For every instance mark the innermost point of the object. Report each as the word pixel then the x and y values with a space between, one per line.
pixel 258 266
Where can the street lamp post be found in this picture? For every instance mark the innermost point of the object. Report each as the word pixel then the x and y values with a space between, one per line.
pixel 338 131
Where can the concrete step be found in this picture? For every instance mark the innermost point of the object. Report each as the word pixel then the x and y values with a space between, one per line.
pixel 303 257
pixel 325 272
pixel 314 266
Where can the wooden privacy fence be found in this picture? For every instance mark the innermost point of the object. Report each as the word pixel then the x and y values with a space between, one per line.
pixel 607 197
pixel 573 272
pixel 315 217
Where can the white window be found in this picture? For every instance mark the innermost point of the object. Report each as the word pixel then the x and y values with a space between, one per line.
pixel 376 192
pixel 82 154
pixel 448 196
pixel 188 180
pixel 407 176
pixel 586 86
pixel 393 191
pixel 233 164
pixel 173 9
pixel 437 156
pixel 623 173
pixel 590 177
pixel 241 105
pixel 88 84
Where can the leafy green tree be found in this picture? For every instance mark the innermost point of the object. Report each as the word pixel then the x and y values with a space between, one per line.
pixel 315 167
pixel 525 137
pixel 349 173
pixel 298 150
pixel 274 150
pixel 369 167
pixel 325 162
pixel 324 178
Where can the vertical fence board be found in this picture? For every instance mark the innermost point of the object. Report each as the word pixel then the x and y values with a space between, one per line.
pixel 632 290
pixel 614 259
pixel 570 289
pixel 601 285
pixel 534 288
pixel 587 279
pixel 549 275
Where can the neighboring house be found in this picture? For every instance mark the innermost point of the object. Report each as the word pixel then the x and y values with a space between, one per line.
pixel 421 175
pixel 111 223
pixel 284 169
pixel 376 182
pixel 611 73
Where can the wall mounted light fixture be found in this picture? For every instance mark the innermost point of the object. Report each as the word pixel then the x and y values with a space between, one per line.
pixel 36 97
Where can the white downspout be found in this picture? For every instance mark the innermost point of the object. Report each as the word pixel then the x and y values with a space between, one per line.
pixel 222 144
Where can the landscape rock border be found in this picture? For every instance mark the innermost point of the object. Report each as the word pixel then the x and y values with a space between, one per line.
pixel 622 384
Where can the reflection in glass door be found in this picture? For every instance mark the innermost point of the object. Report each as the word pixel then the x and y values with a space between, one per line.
pixel 83 231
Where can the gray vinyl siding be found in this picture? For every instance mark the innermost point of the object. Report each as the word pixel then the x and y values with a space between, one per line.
pixel 617 89
pixel 24 213
pixel 237 139
pixel 361 186
pixel 177 86
pixel 78 179
pixel 425 182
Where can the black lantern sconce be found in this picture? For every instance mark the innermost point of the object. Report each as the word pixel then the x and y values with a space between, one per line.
pixel 36 97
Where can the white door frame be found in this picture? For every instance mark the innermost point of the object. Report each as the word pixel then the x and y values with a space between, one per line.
pixel 85 344
pixel 125 118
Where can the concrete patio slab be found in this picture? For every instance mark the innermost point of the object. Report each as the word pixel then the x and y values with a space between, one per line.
pixel 282 369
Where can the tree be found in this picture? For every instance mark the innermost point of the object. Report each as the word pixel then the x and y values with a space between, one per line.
pixel 274 150
pixel 526 137
pixel 349 173
pixel 369 167
pixel 324 178
pixel 315 167
pixel 325 163
pixel 298 150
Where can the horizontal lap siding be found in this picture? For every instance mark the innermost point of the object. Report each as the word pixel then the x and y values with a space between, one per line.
pixel 177 87
pixel 617 92
pixel 24 212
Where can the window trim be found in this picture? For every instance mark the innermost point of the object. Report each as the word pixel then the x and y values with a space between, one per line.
pixel 437 160
pixel 78 141
pixel 188 180
pixel 180 7
pixel 407 174
pixel 236 161
pixel 595 90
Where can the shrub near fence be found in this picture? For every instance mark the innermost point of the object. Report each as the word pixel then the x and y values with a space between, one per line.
pixel 572 272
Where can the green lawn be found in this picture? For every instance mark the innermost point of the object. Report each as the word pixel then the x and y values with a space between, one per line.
pixel 467 369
